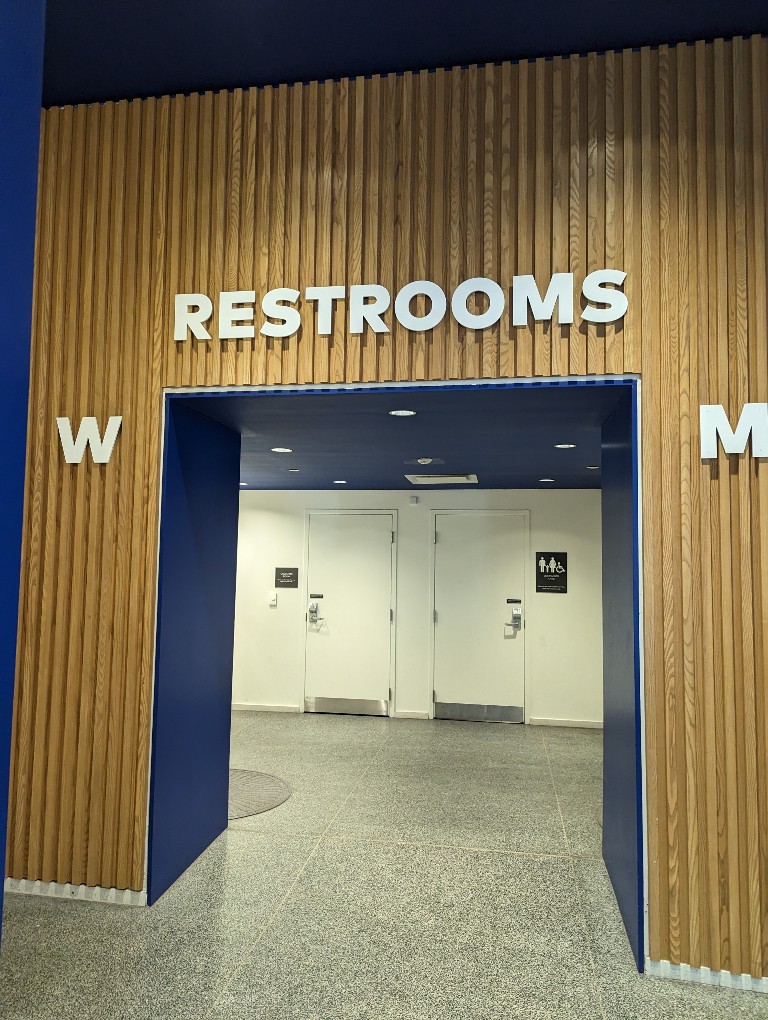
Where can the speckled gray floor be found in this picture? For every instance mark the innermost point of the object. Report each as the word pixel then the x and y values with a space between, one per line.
pixel 420 871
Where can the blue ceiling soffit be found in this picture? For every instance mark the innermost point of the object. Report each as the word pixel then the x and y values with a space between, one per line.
pixel 505 435
pixel 98 50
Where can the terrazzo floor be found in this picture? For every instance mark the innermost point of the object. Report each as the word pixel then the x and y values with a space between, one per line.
pixel 420 871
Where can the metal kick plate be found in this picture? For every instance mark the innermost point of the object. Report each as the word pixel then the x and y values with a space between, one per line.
pixel 479 713
pixel 347 706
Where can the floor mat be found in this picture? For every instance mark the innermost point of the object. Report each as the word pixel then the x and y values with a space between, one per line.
pixel 250 793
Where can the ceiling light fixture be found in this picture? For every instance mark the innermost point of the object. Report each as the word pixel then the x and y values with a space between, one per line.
pixel 281 449
pixel 292 471
pixel 424 461
pixel 565 446
pixel 402 414
pixel 546 479
pixel 593 467
pixel 243 484
pixel 340 481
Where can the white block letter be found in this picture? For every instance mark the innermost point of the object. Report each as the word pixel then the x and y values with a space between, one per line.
pixel 230 316
pixel 192 310
pixel 485 319
pixel 616 300
pixel 403 306
pixel 361 311
pixel 88 435
pixel 525 293
pixel 272 305
pixel 713 422
pixel 325 296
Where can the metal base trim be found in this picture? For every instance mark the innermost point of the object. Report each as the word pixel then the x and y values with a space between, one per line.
pixel 705 976
pixel 479 713
pixel 347 706
pixel 66 891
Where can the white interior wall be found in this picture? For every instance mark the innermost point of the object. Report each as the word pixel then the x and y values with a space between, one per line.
pixel 563 632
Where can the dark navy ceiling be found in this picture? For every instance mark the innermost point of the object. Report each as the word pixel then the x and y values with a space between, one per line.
pixel 117 49
pixel 506 436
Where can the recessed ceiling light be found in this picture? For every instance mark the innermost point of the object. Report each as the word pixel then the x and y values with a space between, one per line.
pixel 340 481
pixel 546 479
pixel 243 484
pixel 402 414
pixel 593 467
pixel 281 449
pixel 424 460
pixel 565 446
pixel 292 471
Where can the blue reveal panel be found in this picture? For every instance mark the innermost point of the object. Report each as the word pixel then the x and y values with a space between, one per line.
pixel 189 780
pixel 622 765
pixel 21 76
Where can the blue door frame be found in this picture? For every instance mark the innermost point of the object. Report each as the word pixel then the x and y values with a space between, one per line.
pixel 198 541
pixel 21 82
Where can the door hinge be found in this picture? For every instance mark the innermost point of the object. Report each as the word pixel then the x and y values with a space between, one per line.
pixel 390 693
pixel 434 696
pixel 391 616
pixel 434 616
pixel 393 538
pixel 435 538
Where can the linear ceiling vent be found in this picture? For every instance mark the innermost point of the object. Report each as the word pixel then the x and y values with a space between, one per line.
pixel 442 479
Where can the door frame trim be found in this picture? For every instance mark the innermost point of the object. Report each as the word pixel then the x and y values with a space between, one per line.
pixel 514 512
pixel 629 379
pixel 332 511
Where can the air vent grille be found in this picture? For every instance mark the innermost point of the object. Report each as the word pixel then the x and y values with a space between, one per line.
pixel 442 479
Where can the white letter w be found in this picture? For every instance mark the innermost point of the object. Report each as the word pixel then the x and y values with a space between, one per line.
pixel 88 435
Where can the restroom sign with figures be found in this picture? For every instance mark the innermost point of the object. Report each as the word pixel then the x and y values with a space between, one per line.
pixel 552 572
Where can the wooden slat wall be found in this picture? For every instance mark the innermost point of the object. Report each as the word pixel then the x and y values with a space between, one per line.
pixel 652 161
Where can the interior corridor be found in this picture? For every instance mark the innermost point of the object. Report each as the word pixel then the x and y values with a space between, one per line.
pixel 420 870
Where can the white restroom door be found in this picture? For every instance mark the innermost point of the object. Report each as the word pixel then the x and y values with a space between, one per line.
pixel 348 650
pixel 479 657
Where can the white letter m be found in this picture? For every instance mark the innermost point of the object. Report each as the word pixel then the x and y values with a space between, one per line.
pixel 713 422
pixel 88 435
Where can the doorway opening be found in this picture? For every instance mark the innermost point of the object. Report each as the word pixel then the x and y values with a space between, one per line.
pixel 512 437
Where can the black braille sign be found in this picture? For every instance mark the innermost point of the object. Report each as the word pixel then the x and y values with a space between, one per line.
pixel 286 577
pixel 552 572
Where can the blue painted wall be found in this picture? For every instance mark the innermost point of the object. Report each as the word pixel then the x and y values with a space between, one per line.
pixel 193 675
pixel 622 792
pixel 21 74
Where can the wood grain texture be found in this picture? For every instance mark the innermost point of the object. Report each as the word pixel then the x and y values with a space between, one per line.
pixel 653 161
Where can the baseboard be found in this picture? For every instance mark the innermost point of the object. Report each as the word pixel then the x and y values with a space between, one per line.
pixel 705 976
pixel 249 706
pixel 66 891
pixel 411 715
pixel 584 724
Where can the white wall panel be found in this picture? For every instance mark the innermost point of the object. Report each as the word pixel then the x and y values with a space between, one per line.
pixel 563 632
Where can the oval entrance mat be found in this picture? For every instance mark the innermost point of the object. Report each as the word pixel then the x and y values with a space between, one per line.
pixel 250 793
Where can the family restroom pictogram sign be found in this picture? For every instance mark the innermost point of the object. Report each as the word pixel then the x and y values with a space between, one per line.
pixel 552 572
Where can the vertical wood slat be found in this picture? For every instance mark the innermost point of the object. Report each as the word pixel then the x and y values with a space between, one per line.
pixel 561 132
pixel 645 223
pixel 60 781
pixel 525 207
pixel 758 244
pixel 613 159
